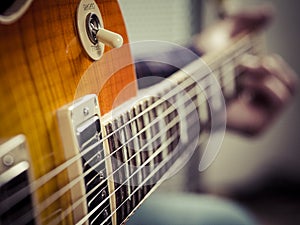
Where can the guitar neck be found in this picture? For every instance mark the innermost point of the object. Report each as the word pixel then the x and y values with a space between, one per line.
pixel 150 136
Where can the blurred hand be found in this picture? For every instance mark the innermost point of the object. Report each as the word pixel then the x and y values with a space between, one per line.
pixel 220 35
pixel 265 88
pixel 267 83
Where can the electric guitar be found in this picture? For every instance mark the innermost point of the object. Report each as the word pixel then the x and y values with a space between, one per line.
pixel 79 143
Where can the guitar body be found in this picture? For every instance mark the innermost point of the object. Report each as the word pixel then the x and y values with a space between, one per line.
pixel 42 62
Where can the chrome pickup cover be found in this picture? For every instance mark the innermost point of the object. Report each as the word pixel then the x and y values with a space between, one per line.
pixel 80 128
pixel 15 196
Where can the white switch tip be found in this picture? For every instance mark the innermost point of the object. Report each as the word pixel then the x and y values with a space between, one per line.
pixel 109 38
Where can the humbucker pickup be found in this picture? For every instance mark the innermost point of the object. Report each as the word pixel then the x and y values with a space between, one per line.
pixel 80 128
pixel 15 196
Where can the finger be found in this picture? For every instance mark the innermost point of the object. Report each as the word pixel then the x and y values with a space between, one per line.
pixel 252 65
pixel 269 91
pixel 247 118
pixel 258 104
pixel 279 68
pixel 272 65
pixel 252 19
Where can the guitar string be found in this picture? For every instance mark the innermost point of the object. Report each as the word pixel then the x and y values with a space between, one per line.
pixel 163 163
pixel 187 85
pixel 79 178
pixel 63 166
pixel 11 198
pixel 84 197
pixel 65 213
pixel 157 168
pixel 127 122
pixel 149 159
pixel 128 197
pixel 64 189
pixel 133 118
pixel 141 114
pixel 124 201
pixel 87 217
pixel 74 159
pixel 78 202
pixel 38 183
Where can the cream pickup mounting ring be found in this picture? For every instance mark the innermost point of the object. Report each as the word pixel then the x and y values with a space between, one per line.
pixel 91 30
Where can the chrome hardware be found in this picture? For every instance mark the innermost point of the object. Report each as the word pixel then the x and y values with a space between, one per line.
pixel 86 111
pixel 93 26
pixel 103 194
pixel 8 160
pixel 16 197
pixel 96 33
pixel 14 158
pixel 80 129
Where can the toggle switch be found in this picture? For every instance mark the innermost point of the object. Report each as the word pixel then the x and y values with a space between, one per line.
pixel 91 30
pixel 109 38
pixel 98 34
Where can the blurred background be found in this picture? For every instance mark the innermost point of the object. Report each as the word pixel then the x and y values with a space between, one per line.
pixel 262 173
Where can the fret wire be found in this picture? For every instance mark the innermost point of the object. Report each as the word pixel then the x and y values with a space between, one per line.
pixel 145 153
pixel 133 129
pixel 203 111
pixel 127 154
pixel 131 155
pixel 160 125
pixel 39 182
pixel 136 145
pixel 149 135
pixel 125 151
pixel 118 166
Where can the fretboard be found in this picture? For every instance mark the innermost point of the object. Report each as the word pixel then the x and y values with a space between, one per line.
pixel 150 137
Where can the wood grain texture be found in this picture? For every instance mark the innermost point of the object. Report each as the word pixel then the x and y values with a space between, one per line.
pixel 42 62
